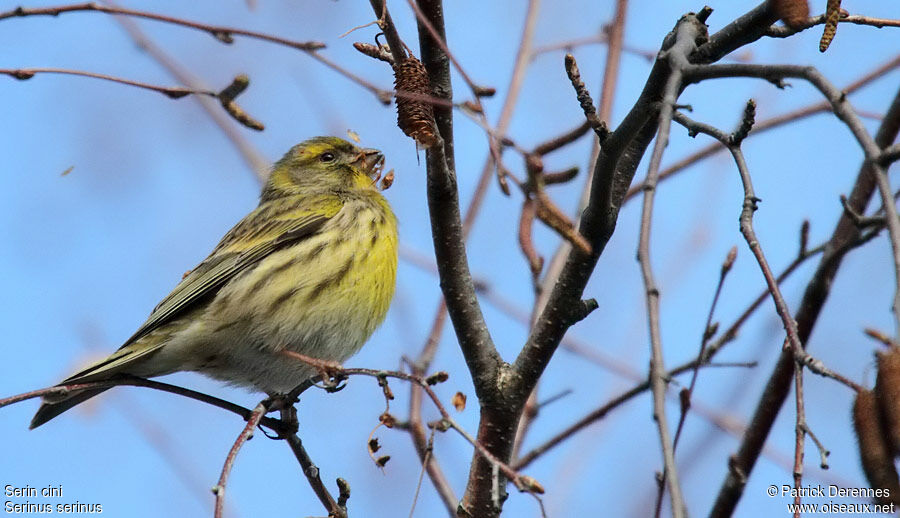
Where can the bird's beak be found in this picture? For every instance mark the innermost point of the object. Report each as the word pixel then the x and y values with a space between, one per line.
pixel 372 162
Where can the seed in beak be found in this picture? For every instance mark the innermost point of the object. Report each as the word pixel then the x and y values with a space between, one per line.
pixel 372 162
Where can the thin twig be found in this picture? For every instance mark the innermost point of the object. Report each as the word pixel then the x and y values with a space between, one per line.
pixel 607 91
pixel 219 489
pixel 310 470
pixel 560 141
pixel 432 38
pixel 523 482
pixel 708 331
pixel 223 34
pixel 724 338
pixel 416 427
pixel 732 142
pixel 600 39
pixel 686 34
pixel 429 449
pixel 225 97
pixel 845 112
pixel 62 390
pixel 258 164
pixel 438 38
pixel 893 226
pixel 814 298
pixel 799 439
pixel 776 31
pixel 771 123
pixel 386 24
pixel 172 92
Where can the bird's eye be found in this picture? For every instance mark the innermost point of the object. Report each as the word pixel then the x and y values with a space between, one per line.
pixel 327 157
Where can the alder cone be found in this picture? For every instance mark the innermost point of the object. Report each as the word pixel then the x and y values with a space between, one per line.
pixel 874 453
pixel 887 388
pixel 414 115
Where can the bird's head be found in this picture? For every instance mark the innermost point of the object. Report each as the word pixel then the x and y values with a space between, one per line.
pixel 324 164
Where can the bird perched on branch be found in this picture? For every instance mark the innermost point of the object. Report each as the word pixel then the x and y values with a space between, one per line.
pixel 311 270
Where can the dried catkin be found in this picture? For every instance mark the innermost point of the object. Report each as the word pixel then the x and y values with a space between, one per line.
pixel 874 453
pixel 887 387
pixel 414 113
pixel 832 15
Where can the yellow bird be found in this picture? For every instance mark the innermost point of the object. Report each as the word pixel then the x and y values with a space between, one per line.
pixel 312 270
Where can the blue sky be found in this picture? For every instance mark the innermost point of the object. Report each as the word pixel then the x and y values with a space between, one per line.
pixel 155 184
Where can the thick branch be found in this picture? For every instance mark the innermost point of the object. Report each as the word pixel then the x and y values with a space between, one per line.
pixel 615 167
pixel 386 24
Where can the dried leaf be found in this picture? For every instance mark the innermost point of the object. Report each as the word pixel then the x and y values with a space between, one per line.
pixel 387 180
pixel 373 445
pixel 459 401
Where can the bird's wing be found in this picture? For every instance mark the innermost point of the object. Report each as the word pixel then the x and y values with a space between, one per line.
pixel 263 231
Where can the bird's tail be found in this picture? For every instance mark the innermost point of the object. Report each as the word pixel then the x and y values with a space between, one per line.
pixel 119 362
pixel 51 409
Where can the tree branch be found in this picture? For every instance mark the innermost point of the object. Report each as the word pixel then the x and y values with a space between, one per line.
pixel 688 32
pixel 244 436
pixel 223 34
pixel 814 298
